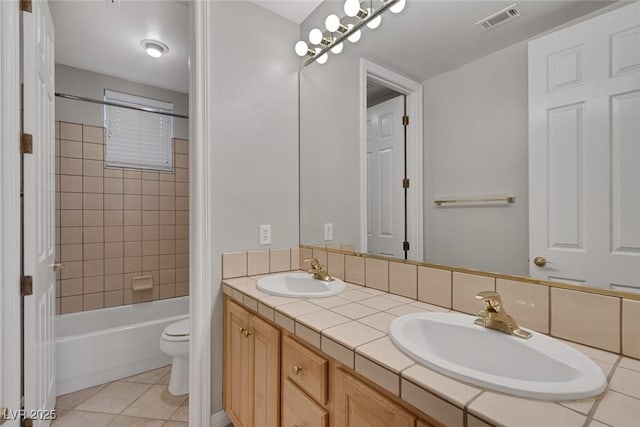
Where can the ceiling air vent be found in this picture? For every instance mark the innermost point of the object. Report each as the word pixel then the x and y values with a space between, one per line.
pixel 498 18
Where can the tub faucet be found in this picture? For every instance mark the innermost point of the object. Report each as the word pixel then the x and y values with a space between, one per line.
pixel 494 316
pixel 318 272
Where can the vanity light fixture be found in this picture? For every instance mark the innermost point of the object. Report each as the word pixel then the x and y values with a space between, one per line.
pixel 348 28
pixel 154 48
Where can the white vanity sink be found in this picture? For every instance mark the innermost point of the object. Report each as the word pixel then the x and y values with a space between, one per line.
pixel 299 285
pixel 540 367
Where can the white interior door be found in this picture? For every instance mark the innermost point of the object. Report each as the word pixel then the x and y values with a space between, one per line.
pixel 584 152
pixel 385 171
pixel 39 209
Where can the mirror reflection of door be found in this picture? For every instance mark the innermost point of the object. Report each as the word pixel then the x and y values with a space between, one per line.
pixel 386 197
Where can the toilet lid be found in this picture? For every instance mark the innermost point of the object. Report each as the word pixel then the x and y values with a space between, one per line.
pixel 178 329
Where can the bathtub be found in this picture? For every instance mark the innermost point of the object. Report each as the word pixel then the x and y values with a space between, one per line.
pixel 98 346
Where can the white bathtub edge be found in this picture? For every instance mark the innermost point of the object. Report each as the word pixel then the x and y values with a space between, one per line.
pixel 220 419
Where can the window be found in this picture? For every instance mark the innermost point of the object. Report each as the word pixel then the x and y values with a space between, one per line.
pixel 137 139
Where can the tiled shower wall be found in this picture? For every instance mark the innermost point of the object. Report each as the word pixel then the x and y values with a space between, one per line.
pixel 113 224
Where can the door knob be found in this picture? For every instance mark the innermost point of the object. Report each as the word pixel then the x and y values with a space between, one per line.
pixel 246 332
pixel 57 266
pixel 541 261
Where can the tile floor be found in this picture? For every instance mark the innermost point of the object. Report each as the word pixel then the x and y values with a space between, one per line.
pixel 138 401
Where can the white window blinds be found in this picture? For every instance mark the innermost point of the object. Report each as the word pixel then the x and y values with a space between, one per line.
pixel 137 139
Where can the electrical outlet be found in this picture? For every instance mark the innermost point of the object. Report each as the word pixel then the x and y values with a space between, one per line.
pixel 328 231
pixel 265 234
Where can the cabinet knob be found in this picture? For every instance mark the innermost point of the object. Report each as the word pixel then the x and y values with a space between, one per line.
pixel 296 369
pixel 242 330
pixel 246 332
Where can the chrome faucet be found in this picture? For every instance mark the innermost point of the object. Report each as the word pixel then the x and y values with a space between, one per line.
pixel 318 272
pixel 494 316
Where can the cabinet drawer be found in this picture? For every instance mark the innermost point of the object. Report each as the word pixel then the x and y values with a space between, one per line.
pixel 299 410
pixel 306 369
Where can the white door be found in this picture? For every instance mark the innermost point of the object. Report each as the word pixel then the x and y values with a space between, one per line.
pixel 584 152
pixel 385 171
pixel 39 209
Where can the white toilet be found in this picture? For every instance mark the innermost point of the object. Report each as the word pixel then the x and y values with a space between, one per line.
pixel 175 343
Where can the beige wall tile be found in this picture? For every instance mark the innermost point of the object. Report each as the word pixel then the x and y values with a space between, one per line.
pixel 150 247
pixel 93 235
pixel 113 298
pixel 182 189
pixel 167 203
pixel 93 301
pixel 93 218
pixel 377 274
pixel 182 246
pixel 354 269
pixel 631 328
pixel 182 232
pixel 114 233
pixel 113 282
pixel 114 266
pixel 586 318
pixel 92 168
pixel 132 186
pixel 112 218
pixel 234 264
pixel 434 286
pixel 182 203
pixel 132 233
pixel 169 218
pixel 132 174
pixel 257 262
pixel 150 232
pixel 167 176
pixel 152 262
pixel 70 287
pixel 71 183
pixel 295 258
pixel 70 235
pixel 71 252
pixel 91 201
pixel 150 203
pixel 167 276
pixel 69 166
pixel 182 289
pixel 168 261
pixel 113 173
pixel 70 201
pixel 133 202
pixel 182 274
pixel 70 218
pixel 167 290
pixel 132 249
pixel 113 186
pixel 114 201
pixel 93 267
pixel 182 175
pixel 93 151
pixel 280 259
pixel 71 149
pixel 181 146
pixel 71 131
pixel 305 254
pixel 71 304
pixel 167 188
pixel 150 188
pixel 167 232
pixel 132 264
pixel 181 160
pixel 527 303
pixel 167 247
pixel 403 279
pixel 93 284
pixel 335 265
pixel 93 134
pixel 93 251
pixel 321 256
pixel 153 176
pixel 150 217
pixel 114 250
pixel 466 287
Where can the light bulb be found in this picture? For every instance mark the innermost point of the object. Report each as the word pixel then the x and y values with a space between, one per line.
pixel 351 7
pixel 374 23
pixel 315 36
pixel 353 38
pixel 398 7
pixel 332 23
pixel 337 48
pixel 154 52
pixel 323 58
pixel 301 48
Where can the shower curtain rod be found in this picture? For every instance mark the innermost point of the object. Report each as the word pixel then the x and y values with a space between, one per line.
pixel 115 104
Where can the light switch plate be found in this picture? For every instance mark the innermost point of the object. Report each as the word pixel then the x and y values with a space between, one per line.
pixel 328 231
pixel 265 234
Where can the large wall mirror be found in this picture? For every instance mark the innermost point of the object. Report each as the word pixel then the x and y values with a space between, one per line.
pixel 522 151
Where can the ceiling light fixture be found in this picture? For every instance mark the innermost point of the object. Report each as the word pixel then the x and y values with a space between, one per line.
pixel 154 48
pixel 346 28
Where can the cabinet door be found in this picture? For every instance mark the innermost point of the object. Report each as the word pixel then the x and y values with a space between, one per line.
pixel 238 369
pixel 298 409
pixel 266 373
pixel 358 405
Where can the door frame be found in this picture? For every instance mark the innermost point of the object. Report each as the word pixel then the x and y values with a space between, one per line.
pixel 10 221
pixel 413 91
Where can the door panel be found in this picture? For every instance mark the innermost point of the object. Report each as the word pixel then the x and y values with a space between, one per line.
pixel 584 180
pixel 266 371
pixel 39 210
pixel 385 171
pixel 238 384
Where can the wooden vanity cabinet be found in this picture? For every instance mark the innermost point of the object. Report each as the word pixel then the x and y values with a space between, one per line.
pixel 252 368
pixel 358 405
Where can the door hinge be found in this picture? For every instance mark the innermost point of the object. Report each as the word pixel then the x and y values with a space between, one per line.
pixel 405 183
pixel 27 422
pixel 25 6
pixel 405 246
pixel 26 143
pixel 405 120
pixel 26 285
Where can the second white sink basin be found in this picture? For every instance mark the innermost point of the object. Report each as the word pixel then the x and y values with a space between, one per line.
pixel 540 367
pixel 299 285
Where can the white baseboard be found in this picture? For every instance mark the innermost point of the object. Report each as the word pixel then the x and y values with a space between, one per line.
pixel 220 419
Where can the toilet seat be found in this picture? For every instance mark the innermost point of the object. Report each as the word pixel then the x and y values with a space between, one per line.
pixel 178 331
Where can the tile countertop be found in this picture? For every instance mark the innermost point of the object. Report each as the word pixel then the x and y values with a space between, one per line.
pixel 352 328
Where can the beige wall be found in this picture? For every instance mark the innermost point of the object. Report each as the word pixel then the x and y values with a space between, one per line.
pixel 113 224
